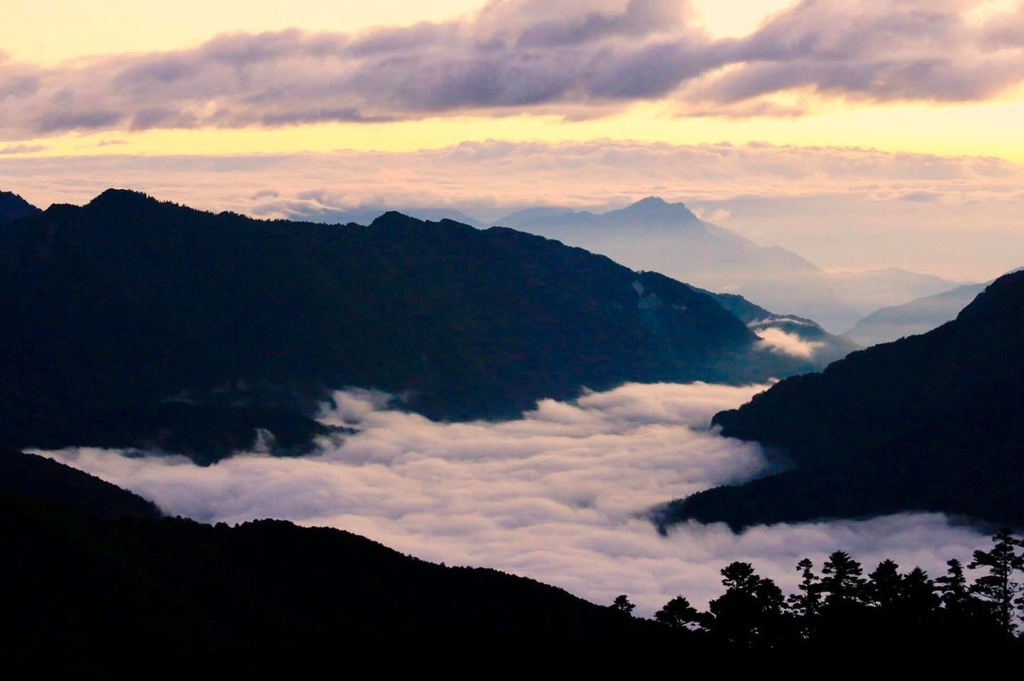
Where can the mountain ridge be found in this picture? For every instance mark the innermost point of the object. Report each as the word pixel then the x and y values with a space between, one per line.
pixel 926 423
pixel 127 302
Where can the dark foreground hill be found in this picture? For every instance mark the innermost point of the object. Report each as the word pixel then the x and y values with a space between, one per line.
pixel 927 423
pixel 132 322
pixel 91 592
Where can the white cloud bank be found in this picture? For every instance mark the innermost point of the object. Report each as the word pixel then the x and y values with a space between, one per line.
pixel 557 495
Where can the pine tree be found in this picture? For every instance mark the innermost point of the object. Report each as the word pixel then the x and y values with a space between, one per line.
pixel 999 588
pixel 678 614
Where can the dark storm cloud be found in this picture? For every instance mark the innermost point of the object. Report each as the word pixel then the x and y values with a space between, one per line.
pixel 580 60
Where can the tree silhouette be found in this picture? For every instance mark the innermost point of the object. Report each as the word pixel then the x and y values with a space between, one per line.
pixel 806 604
pixel 752 611
pixel 998 588
pixel 841 582
pixel 623 605
pixel 885 586
pixel 678 614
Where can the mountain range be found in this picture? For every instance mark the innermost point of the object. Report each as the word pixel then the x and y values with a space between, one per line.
pixel 653 234
pixel 140 323
pixel 136 323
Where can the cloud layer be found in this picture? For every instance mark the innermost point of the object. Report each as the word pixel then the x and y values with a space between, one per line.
pixel 558 495
pixel 840 208
pixel 576 60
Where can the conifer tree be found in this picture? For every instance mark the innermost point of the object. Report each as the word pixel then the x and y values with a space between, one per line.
pixel 999 588
pixel 678 614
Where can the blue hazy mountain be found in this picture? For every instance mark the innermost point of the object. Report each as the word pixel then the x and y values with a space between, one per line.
pixel 916 317
pixel 669 238
pixel 656 235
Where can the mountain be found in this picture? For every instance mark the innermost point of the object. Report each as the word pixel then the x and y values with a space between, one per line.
pixel 926 423
pixel 366 214
pixel 669 238
pixel 13 207
pixel 804 336
pixel 36 479
pixel 96 584
pixel 138 323
pixel 653 234
pixel 657 235
pixel 913 318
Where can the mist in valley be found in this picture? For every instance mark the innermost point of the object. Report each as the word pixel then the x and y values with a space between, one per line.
pixel 560 495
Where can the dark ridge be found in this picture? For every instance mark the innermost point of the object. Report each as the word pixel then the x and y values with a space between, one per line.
pixel 927 423
pixel 36 479
pixel 129 302
pixel 101 598
pixel 13 207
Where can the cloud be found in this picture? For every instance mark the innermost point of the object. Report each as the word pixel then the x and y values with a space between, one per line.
pixel 558 495
pixel 773 195
pixel 778 341
pixel 22 149
pixel 576 60
pixel 918 50
pixel 921 196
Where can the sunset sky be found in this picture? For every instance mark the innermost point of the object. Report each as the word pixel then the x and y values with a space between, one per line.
pixel 859 133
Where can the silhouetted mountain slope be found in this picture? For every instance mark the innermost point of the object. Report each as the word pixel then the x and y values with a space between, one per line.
pixel 931 423
pixel 913 318
pixel 38 479
pixel 13 207
pixel 100 598
pixel 367 214
pixel 128 303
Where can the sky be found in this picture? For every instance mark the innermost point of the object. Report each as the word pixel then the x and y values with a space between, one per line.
pixel 559 495
pixel 861 134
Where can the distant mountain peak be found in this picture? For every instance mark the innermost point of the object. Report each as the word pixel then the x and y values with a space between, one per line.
pixel 650 201
pixel 654 206
pixel 113 195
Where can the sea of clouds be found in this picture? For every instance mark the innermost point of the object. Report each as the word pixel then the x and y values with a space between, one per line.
pixel 559 495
